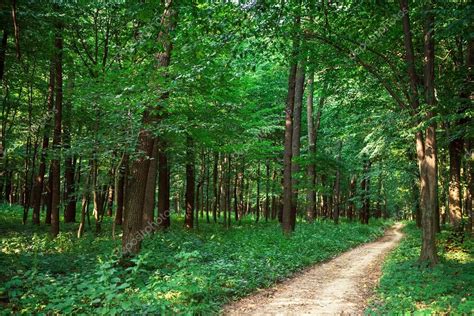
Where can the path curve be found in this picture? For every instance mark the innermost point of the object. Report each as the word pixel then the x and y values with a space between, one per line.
pixel 341 286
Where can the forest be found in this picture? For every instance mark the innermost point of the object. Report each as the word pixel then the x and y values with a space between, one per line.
pixel 236 157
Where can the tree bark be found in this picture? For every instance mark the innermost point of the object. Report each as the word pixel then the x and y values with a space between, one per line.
pixel 425 148
pixel 287 211
pixel 70 195
pixel 215 186
pixel 163 187
pixel 311 193
pixel 135 196
pixel 120 189
pixel 55 163
pixel 337 188
pixel 257 206
pixel 189 199
pixel 295 143
pixel 3 50
pixel 352 193
pixel 38 185
pixel 149 202
pixel 455 209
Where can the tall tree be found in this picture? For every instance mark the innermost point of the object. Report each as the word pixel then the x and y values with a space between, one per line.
pixel 131 238
pixel 55 162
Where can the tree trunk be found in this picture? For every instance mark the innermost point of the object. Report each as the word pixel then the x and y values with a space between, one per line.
pixel 97 197
pixel 257 207
pixel 55 163
pixel 163 187
pixel 287 211
pixel 215 186
pixel 455 209
pixel 337 187
pixel 3 49
pixel 228 190
pixel 295 143
pixel 189 217
pixel 38 185
pixel 149 203
pixel 352 193
pixel 430 218
pixel 135 195
pixel 365 186
pixel 311 194
pixel 121 173
pixel 470 185
pixel 267 190
pixel 70 195
pixel 425 148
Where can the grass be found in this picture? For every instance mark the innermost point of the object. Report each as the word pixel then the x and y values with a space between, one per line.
pixel 177 271
pixel 407 287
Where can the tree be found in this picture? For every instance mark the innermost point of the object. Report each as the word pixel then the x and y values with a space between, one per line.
pixel 55 163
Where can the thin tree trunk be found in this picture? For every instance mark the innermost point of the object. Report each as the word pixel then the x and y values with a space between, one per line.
pixel 38 186
pixel 150 191
pixel 455 210
pixel 295 143
pixel 257 208
pixel 287 211
pixel 70 195
pixel 215 186
pixel 3 49
pixel 311 193
pixel 85 203
pixel 55 163
pixel 228 194
pixel 163 187
pixel 337 187
pixel 189 218
pixel 267 190
pixel 120 189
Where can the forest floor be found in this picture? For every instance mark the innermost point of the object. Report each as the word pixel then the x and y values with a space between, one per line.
pixel 342 285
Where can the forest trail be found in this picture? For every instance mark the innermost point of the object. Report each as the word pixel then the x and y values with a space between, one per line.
pixel 337 287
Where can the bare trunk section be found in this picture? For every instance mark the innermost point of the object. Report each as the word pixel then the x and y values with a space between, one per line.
pixel 430 218
pixel 337 187
pixel 70 195
pixel 55 163
pixel 136 190
pixel 296 143
pixel 3 49
pixel 425 148
pixel 189 200
pixel 215 186
pixel 287 157
pixel 149 203
pixel 121 173
pixel 38 185
pixel 287 211
pixel 352 193
pixel 311 174
pixel 455 209
pixel 163 187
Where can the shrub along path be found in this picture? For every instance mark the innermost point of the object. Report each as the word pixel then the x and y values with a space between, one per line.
pixel 340 286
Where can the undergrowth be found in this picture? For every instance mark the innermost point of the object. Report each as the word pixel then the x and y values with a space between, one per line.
pixel 408 287
pixel 178 271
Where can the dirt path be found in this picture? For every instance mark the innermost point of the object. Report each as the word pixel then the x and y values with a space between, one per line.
pixel 340 286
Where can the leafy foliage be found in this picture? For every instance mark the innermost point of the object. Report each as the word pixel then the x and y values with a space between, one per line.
pixel 178 271
pixel 406 286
